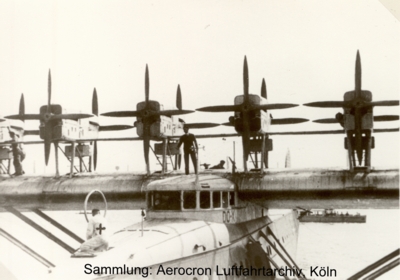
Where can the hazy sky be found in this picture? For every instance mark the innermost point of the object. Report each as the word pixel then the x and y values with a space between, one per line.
pixel 305 50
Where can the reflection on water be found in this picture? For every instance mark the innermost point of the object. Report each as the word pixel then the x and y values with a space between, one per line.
pixel 347 248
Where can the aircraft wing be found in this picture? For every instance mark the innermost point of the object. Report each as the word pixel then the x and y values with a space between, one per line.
pixel 341 131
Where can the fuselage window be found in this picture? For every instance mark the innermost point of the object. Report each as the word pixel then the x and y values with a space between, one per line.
pixel 167 200
pixel 225 200
pixel 216 199
pixel 204 200
pixel 189 200
pixel 231 198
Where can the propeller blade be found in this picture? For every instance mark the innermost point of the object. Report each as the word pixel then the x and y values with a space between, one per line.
pixel 201 125
pixel 386 118
pixel 331 120
pixel 71 116
pixel 220 108
pixel 114 127
pixel 288 121
pixel 245 81
pixel 95 103
pixel 31 132
pixel 380 130
pixel 94 155
pixel 22 105
pixel 146 86
pixel 315 132
pixel 384 103
pixel 2 119
pixel 358 73
pixel 146 146
pixel 246 146
pixel 122 114
pixel 48 93
pixel 25 117
pixel 328 104
pixel 174 112
pixel 179 98
pixel 263 89
pixel 47 143
pixel 273 106
pixel 246 125
pixel 227 124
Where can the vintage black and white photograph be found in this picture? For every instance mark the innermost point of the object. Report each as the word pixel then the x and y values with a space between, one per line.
pixel 195 139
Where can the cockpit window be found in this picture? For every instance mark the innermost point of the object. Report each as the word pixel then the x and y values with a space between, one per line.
pixel 231 199
pixel 225 199
pixel 167 200
pixel 216 199
pixel 189 200
pixel 205 200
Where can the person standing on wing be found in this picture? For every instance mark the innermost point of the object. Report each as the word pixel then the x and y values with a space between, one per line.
pixel 189 148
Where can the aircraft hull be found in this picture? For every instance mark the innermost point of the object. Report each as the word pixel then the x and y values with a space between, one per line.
pixel 192 248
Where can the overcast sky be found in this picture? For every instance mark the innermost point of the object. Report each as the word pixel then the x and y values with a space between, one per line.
pixel 305 50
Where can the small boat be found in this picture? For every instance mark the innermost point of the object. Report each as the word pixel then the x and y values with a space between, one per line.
pixel 330 216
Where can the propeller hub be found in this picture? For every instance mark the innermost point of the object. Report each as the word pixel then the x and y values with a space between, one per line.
pixel 47 117
pixel 146 113
pixel 245 108
pixel 358 103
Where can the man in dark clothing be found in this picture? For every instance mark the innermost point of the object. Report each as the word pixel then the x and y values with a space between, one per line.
pixel 220 165
pixel 189 148
pixel 18 155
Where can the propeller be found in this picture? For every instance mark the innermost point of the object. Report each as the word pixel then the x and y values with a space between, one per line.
pixel 95 111
pixel 179 98
pixel 329 120
pixel 263 89
pixel 278 121
pixel 248 106
pixel 288 121
pixel 200 125
pixel 95 103
pixel 386 118
pixel 146 124
pixel 357 102
pixel 48 130
pixel 95 155
pixel 148 111
pixel 22 105
pixel 246 125
pixel 47 117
